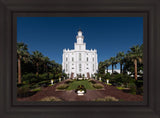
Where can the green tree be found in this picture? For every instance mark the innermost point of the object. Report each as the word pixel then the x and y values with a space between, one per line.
pixel 46 63
pixel 135 54
pixel 22 53
pixel 101 68
pixel 107 64
pixel 113 62
pixel 37 59
pixel 120 59
pixel 56 69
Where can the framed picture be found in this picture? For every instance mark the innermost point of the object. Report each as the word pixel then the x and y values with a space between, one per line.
pixel 80 74
pixel 79 59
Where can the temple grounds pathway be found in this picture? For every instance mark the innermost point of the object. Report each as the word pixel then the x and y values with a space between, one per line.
pixel 91 95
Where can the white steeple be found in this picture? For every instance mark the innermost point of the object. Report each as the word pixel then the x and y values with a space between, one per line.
pixel 80 37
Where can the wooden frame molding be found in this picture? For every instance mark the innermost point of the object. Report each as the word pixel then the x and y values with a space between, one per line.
pixel 11 9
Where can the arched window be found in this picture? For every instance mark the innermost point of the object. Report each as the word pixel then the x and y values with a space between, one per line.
pixel 87 58
pixel 66 67
pixel 80 57
pixel 80 67
pixel 93 67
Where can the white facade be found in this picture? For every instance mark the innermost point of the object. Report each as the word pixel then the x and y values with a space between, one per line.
pixel 80 60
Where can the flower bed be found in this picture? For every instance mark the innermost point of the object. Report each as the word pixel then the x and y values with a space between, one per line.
pixel 81 90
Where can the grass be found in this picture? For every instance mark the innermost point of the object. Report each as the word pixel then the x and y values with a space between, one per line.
pixel 109 84
pixel 85 83
pixel 120 88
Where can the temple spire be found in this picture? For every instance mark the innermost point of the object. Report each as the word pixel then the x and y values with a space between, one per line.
pixel 80 37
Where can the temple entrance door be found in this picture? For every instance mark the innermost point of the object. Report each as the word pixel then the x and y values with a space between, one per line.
pixel 88 76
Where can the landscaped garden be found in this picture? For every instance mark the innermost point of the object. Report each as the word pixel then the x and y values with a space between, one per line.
pixel 41 79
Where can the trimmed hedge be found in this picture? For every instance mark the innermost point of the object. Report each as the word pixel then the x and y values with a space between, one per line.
pixel 98 86
pixel 62 86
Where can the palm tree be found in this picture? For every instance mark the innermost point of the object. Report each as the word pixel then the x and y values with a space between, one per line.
pixel 37 58
pixel 22 53
pixel 53 63
pixel 101 68
pixel 135 54
pixel 113 62
pixel 107 64
pixel 45 63
pixel 120 59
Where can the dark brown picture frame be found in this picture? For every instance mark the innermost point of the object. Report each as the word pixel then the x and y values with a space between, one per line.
pixel 148 9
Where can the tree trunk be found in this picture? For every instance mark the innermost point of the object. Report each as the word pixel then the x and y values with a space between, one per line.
pixel 120 67
pixel 37 69
pixel 19 70
pixel 112 68
pixel 135 69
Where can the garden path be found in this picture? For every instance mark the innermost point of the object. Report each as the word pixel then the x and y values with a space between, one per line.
pixel 89 96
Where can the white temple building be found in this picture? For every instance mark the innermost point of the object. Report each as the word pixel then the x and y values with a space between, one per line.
pixel 80 61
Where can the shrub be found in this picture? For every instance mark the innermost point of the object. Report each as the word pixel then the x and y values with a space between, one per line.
pixel 109 84
pixel 68 81
pixel 108 98
pixel 50 76
pixel 44 83
pixel 139 90
pixel 44 76
pixel 120 79
pixel 22 91
pixel 98 86
pixel 36 89
pixel 51 98
pixel 29 78
pixel 132 87
pixel 92 81
pixel 139 83
pixel 62 86
pixel 34 86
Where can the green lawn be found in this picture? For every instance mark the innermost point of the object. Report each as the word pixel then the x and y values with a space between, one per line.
pixel 86 83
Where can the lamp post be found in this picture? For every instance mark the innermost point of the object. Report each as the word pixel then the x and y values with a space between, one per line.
pixel 52 81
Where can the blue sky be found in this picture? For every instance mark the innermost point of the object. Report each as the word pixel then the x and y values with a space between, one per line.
pixel 109 35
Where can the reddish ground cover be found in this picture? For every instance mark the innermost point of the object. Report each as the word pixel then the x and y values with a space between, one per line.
pixel 89 96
